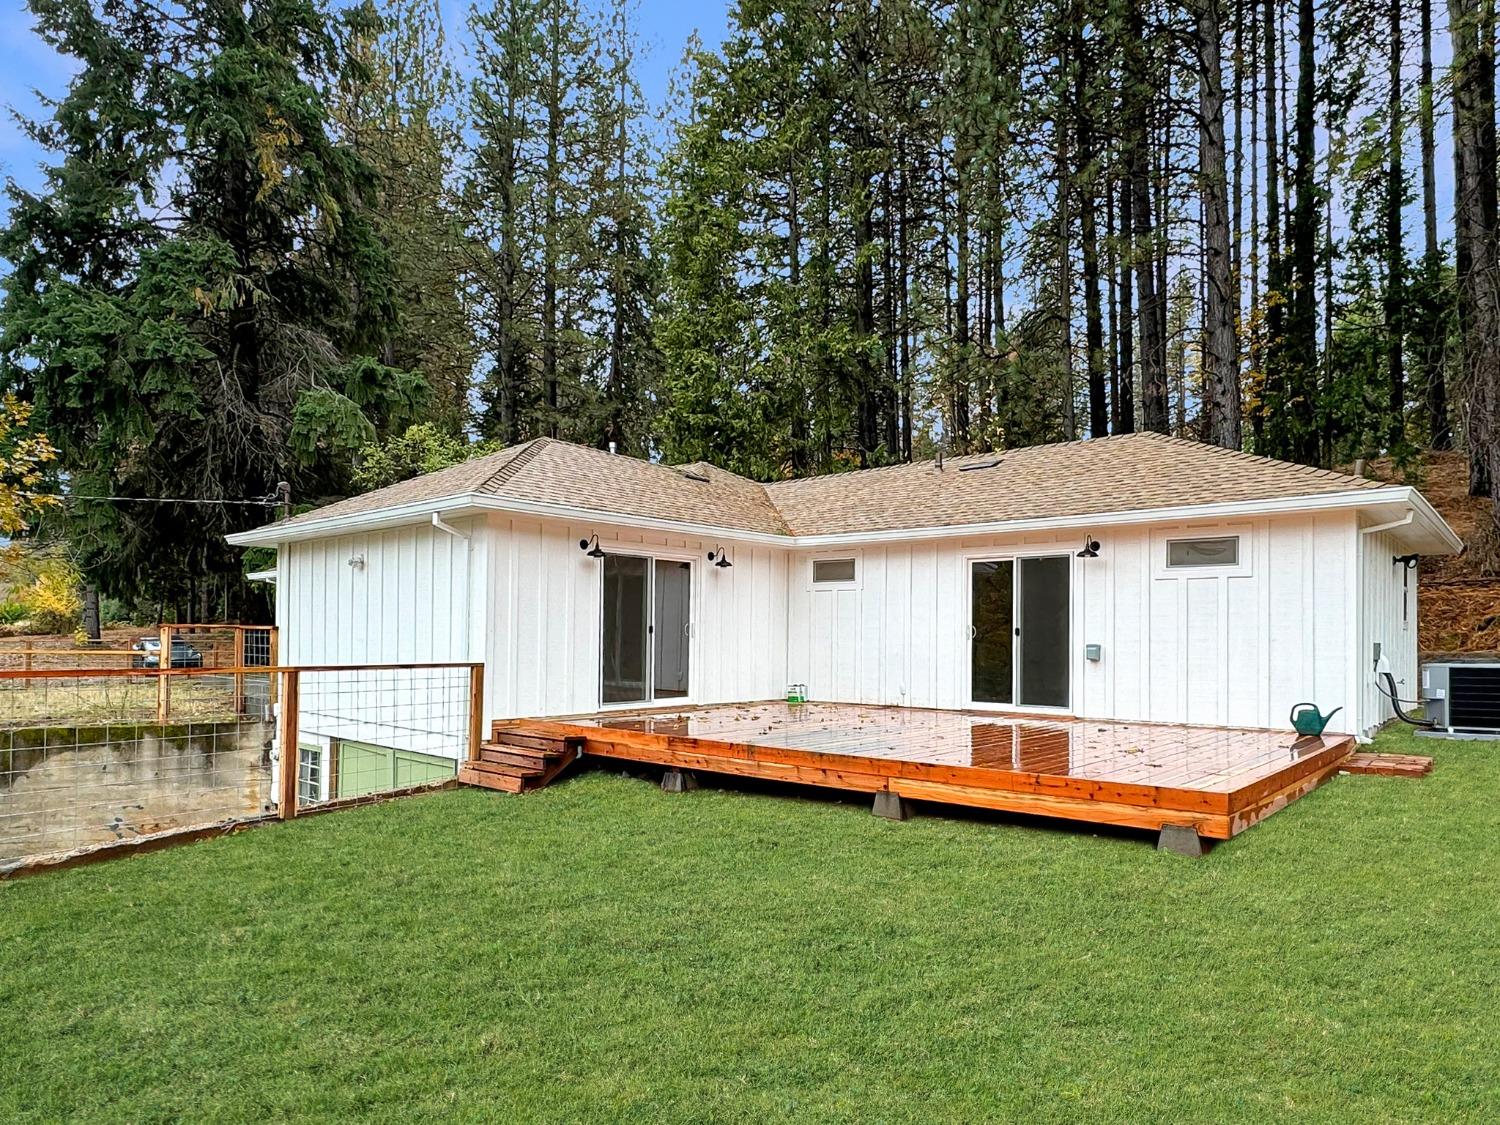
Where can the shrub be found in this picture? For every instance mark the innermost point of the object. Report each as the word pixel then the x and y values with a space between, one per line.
pixel 12 612
pixel 52 601
pixel 113 611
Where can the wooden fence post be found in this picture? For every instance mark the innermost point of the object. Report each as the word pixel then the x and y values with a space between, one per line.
pixel 163 681
pixel 476 710
pixel 239 677
pixel 273 658
pixel 286 805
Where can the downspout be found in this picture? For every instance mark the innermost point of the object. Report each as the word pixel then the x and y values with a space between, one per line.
pixel 470 641
pixel 439 523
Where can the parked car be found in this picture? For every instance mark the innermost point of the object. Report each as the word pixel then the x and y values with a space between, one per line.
pixel 146 653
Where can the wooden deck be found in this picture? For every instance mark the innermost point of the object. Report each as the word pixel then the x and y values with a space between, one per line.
pixel 1216 781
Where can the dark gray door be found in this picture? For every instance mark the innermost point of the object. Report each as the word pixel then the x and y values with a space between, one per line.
pixel 992 641
pixel 625 638
pixel 1042 611
pixel 673 597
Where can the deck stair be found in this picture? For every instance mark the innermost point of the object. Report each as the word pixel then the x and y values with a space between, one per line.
pixel 516 761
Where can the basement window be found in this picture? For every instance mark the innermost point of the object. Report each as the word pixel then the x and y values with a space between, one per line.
pixel 309 775
pixel 1221 551
pixel 832 570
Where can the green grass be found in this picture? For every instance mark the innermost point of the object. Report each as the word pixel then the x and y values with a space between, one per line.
pixel 602 951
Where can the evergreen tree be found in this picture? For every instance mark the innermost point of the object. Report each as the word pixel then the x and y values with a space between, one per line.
pixel 199 297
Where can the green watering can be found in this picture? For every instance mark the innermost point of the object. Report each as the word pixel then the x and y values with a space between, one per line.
pixel 1307 719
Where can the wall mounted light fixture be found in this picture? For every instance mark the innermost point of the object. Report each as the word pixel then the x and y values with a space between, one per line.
pixel 719 558
pixel 590 546
pixel 357 562
pixel 1090 548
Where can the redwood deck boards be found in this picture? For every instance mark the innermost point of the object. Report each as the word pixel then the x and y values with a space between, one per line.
pixel 1388 765
pixel 1216 780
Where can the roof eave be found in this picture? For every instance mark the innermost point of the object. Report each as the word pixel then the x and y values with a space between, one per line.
pixel 269 535
pixel 1351 499
pixel 1436 531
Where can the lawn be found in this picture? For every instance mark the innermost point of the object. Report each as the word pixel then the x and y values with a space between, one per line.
pixel 603 951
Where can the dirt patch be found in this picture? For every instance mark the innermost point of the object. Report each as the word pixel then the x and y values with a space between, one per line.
pixel 1458 602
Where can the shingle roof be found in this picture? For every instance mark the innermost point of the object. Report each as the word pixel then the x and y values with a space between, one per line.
pixel 1127 473
pixel 547 471
pixel 1134 472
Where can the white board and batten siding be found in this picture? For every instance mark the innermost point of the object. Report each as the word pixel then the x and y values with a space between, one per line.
pixel 410 599
pixel 542 650
pixel 1295 620
pixel 1232 648
pixel 1388 618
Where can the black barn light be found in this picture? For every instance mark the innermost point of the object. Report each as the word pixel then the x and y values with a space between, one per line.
pixel 591 547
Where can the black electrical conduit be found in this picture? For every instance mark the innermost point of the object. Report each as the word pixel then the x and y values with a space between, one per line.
pixel 1390 693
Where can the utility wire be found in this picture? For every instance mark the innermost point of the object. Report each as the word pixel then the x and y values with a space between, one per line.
pixel 267 503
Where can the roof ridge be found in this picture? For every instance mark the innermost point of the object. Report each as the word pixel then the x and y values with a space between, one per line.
pixel 521 456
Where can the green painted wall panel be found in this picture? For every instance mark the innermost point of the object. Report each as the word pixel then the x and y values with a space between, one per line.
pixel 366 768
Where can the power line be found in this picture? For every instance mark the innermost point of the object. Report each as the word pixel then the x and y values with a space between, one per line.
pixel 269 502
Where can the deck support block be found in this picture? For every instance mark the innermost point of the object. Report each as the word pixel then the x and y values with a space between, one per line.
pixel 678 781
pixel 1181 839
pixel 891 806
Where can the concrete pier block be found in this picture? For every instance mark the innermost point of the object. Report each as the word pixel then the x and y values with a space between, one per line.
pixel 1183 839
pixel 892 806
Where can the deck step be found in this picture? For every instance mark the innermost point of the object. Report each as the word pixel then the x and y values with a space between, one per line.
pixel 467 775
pixel 1388 765
pixel 516 755
pixel 507 736
pixel 508 769
pixel 513 761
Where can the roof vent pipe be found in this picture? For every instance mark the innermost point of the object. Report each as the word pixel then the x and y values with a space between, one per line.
pixel 940 458
pixel 611 447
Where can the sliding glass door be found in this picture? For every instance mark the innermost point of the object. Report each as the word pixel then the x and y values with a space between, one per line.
pixel 1019 641
pixel 671 627
pixel 646 629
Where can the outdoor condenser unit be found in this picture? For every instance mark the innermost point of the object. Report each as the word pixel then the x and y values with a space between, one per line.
pixel 1463 697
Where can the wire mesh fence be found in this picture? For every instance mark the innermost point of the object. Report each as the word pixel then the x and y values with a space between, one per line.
pixel 109 756
pixel 366 731
pixel 184 646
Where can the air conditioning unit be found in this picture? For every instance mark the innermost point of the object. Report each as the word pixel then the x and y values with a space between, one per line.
pixel 1463 697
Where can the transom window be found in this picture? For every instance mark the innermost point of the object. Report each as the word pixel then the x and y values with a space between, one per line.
pixel 1220 551
pixel 833 570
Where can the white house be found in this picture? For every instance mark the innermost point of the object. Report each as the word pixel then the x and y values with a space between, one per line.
pixel 1138 577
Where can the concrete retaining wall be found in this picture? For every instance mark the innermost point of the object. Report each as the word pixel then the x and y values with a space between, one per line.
pixel 69 787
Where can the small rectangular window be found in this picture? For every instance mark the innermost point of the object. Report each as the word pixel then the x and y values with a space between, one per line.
pixel 1224 551
pixel 833 570
pixel 309 775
